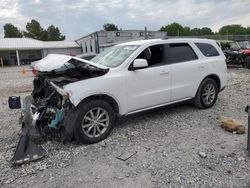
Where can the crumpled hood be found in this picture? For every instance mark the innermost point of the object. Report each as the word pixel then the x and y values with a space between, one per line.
pixel 57 61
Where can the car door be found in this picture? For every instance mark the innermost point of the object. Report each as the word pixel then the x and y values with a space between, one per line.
pixel 187 70
pixel 150 86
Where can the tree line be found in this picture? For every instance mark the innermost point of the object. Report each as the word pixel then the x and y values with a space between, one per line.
pixel 176 29
pixel 34 30
pixel 52 33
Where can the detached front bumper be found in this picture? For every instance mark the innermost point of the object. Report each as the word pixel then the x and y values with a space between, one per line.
pixel 27 150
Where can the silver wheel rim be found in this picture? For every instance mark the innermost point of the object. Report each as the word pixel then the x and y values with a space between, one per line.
pixel 95 122
pixel 208 94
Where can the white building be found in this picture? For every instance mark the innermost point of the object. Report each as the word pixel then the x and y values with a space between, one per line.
pixel 18 51
pixel 98 41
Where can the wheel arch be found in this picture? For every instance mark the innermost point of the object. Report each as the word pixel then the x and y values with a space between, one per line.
pixel 215 78
pixel 109 99
pixel 211 76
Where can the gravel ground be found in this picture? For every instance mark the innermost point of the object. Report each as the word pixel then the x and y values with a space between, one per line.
pixel 173 147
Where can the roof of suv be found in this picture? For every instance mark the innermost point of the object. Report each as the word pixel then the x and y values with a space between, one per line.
pixel 149 41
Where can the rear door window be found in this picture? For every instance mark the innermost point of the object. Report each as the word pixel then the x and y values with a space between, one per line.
pixel 207 50
pixel 180 52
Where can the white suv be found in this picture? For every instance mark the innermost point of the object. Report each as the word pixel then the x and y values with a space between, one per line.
pixel 88 96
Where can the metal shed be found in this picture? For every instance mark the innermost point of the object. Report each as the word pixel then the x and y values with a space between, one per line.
pixel 19 51
pixel 100 40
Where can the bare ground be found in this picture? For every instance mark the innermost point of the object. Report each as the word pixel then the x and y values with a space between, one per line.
pixel 165 143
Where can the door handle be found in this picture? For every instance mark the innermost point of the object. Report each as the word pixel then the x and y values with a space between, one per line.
pixel 164 72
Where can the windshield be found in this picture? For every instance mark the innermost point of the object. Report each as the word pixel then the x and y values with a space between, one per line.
pixel 244 44
pixel 114 56
pixel 234 46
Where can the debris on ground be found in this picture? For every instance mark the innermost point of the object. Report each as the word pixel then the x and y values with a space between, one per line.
pixel 202 154
pixel 232 125
pixel 127 155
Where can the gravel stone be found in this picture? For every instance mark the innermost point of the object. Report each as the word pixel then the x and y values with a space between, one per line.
pixel 241 159
pixel 168 142
pixel 202 154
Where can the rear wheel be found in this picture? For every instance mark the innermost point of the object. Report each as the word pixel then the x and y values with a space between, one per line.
pixel 207 94
pixel 94 121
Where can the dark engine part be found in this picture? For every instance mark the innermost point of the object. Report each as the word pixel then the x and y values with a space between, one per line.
pixel 233 57
pixel 52 109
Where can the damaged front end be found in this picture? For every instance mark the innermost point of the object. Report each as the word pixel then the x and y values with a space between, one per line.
pixel 48 112
pixel 51 105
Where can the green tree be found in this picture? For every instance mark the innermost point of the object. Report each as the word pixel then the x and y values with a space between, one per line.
pixel 196 31
pixel 35 31
pixel 54 34
pixel 206 31
pixel 173 29
pixel 248 30
pixel 186 31
pixel 110 27
pixel 232 30
pixel 201 31
pixel 11 31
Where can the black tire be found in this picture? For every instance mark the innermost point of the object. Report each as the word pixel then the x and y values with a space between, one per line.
pixel 82 110
pixel 247 62
pixel 199 100
pixel 243 64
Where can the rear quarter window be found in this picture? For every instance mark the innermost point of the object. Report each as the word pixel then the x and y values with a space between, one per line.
pixel 207 50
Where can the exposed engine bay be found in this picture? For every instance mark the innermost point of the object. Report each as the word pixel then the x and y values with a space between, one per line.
pixel 48 112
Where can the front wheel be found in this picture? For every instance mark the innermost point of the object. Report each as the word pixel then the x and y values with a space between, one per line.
pixel 94 121
pixel 207 94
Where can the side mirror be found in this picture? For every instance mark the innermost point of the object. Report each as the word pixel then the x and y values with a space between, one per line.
pixel 139 64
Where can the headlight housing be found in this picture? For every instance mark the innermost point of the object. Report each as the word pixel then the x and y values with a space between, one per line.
pixel 60 91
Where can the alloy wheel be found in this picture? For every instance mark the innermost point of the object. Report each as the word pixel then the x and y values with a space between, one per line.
pixel 95 122
pixel 209 94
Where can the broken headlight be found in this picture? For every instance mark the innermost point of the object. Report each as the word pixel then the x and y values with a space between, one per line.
pixel 60 91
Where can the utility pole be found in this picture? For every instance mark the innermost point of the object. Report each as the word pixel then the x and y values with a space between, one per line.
pixel 146 33
pixel 17 56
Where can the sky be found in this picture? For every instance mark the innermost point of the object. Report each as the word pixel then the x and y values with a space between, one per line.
pixel 77 18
